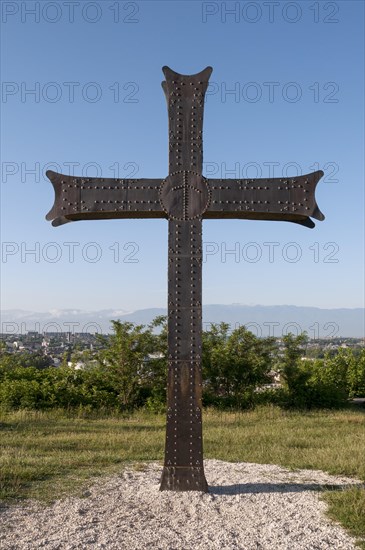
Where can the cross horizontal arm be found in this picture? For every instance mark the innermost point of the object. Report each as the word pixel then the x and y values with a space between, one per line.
pixel 281 199
pixel 82 198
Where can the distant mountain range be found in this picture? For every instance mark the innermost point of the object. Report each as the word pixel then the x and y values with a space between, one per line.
pixel 261 320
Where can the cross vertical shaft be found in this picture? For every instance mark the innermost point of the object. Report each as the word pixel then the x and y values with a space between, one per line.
pixel 183 467
pixel 185 195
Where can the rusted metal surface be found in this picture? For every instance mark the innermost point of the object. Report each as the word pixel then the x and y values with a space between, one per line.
pixel 185 198
pixel 79 198
pixel 280 199
pixel 183 468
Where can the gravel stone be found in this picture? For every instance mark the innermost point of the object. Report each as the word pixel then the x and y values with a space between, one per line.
pixel 248 507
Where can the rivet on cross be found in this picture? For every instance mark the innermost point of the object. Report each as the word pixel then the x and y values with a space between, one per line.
pixel 185 198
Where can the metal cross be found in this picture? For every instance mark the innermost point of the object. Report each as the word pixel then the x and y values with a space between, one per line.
pixel 185 198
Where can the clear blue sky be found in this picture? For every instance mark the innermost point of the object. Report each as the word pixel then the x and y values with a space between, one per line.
pixel 298 72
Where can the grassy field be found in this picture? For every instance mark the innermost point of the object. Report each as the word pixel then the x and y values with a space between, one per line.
pixel 49 455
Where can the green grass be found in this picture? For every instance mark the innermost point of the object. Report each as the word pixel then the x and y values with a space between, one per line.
pixel 323 440
pixel 348 508
pixel 50 455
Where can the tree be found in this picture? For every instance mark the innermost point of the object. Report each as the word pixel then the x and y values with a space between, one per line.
pixel 37 360
pixel 124 360
pixel 234 365
pixel 156 366
pixel 294 373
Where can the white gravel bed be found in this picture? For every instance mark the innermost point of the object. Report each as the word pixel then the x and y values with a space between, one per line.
pixel 249 506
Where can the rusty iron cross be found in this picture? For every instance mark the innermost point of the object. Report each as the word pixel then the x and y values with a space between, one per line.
pixel 185 198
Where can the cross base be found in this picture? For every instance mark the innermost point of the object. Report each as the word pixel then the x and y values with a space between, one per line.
pixel 183 478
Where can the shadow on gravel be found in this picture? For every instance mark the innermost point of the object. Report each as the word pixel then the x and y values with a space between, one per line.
pixel 259 488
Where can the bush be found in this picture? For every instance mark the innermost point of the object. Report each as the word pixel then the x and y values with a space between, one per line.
pixel 323 390
pixel 28 387
pixel 156 403
pixel 356 376
pixel 20 394
pixel 126 375
pixel 234 364
pixel 312 384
